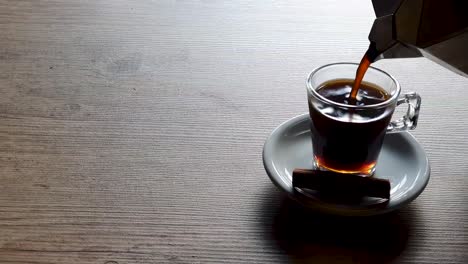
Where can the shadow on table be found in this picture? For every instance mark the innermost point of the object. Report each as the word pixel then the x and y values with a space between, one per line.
pixel 308 237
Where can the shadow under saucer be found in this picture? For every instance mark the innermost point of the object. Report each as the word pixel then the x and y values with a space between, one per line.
pixel 310 237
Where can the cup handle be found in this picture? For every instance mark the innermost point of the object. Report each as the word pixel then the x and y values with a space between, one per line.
pixel 410 119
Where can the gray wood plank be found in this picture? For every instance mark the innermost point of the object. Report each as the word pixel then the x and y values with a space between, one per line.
pixel 132 131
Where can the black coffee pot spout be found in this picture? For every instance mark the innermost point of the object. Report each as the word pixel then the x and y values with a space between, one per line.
pixel 435 29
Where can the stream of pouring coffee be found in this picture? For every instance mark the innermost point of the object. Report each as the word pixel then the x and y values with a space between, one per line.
pixel 361 71
pixel 369 57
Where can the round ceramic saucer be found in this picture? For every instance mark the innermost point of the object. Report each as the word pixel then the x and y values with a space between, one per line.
pixel 402 160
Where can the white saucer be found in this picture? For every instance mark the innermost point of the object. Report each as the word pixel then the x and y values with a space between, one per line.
pixel 402 160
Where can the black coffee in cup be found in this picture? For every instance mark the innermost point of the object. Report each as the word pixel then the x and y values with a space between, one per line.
pixel 349 141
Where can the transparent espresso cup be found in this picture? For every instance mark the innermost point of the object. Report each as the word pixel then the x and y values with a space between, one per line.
pixel 348 138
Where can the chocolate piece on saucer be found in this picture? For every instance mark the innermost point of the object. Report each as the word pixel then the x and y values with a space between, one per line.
pixel 339 184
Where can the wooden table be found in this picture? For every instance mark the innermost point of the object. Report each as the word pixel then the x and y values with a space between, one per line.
pixel 132 132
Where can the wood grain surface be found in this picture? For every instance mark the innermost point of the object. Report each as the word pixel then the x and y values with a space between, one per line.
pixel 132 132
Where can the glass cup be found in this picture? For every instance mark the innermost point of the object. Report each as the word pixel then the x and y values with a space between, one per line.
pixel 348 138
